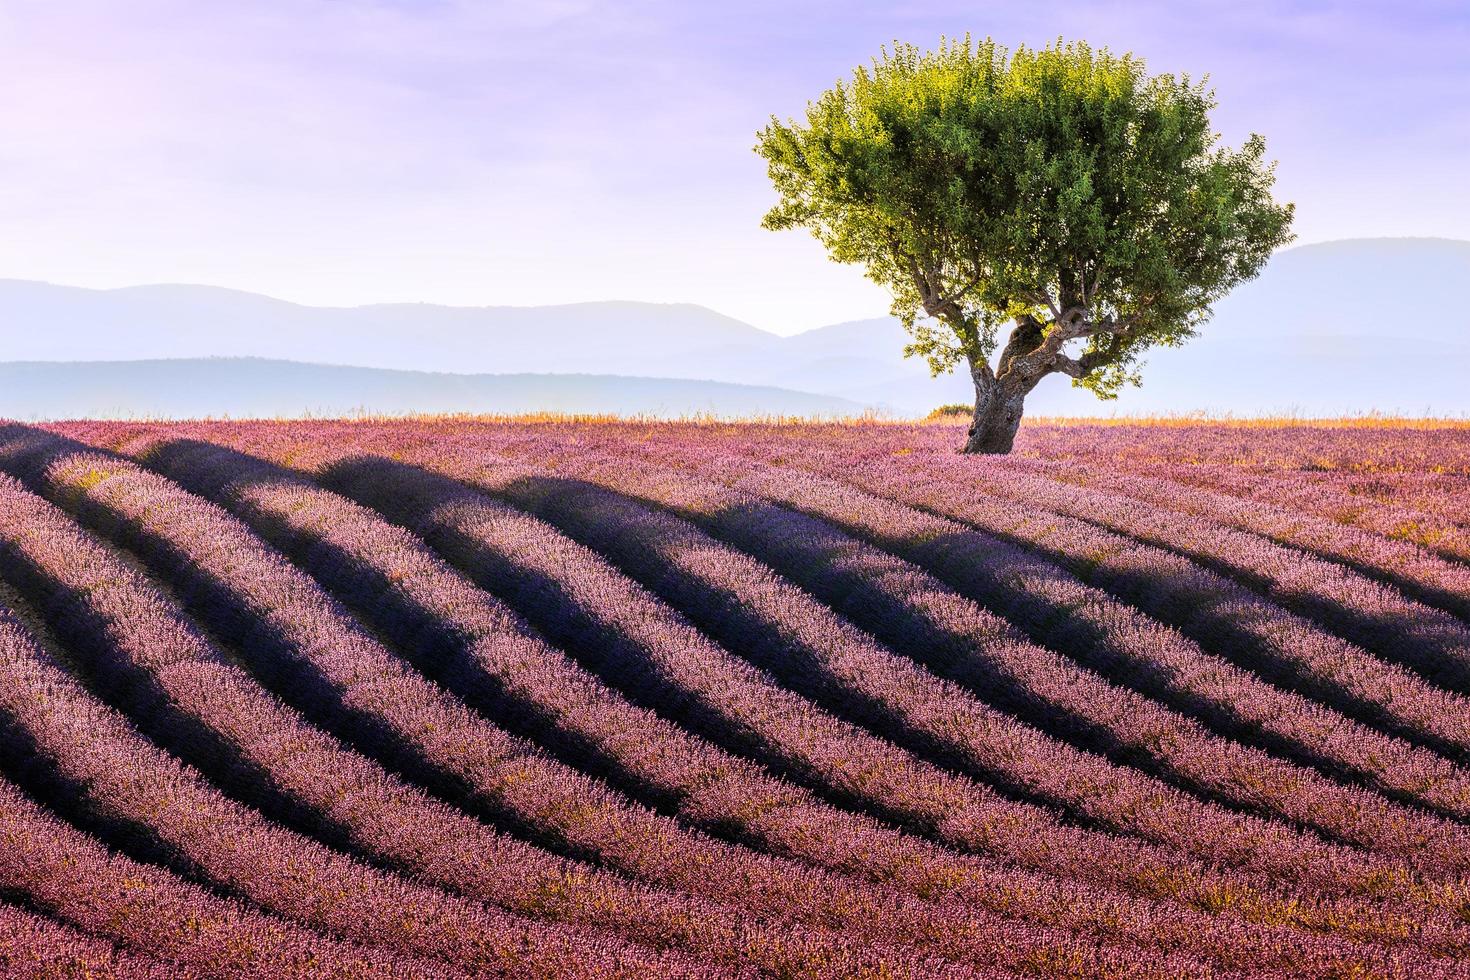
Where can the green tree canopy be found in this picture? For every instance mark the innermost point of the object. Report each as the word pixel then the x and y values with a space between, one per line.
pixel 1062 191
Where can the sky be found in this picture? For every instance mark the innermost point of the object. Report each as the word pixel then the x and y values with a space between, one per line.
pixel 343 152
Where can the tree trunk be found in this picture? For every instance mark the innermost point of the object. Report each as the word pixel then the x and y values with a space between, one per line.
pixel 998 409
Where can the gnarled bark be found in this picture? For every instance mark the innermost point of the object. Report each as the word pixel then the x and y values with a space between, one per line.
pixel 1033 351
pixel 1000 394
pixel 998 411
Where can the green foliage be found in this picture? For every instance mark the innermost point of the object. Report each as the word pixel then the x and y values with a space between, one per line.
pixel 1061 189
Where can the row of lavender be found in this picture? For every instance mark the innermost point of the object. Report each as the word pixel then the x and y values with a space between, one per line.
pixel 63 554
pixel 335 441
pixel 850 842
pixel 1353 642
pixel 1397 765
pixel 707 593
pixel 1418 771
pixel 1321 624
pixel 33 946
pixel 1405 484
pixel 1407 449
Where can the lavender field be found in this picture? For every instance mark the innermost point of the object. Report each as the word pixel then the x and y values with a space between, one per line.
pixel 536 698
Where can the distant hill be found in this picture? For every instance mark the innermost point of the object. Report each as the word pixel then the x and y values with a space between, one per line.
pixel 1328 328
pixel 257 388
pixel 1335 328
pixel 42 322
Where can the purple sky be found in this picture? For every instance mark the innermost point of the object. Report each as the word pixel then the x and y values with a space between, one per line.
pixel 350 151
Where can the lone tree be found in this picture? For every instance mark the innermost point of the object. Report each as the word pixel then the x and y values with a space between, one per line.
pixel 1062 192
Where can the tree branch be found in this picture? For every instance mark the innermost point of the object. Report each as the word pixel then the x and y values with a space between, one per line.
pixel 1074 367
pixel 1047 356
pixel 1046 300
pixel 1090 292
pixel 953 300
pixel 980 371
pixel 934 304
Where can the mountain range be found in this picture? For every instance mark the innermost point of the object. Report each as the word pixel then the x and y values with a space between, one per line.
pixel 253 387
pixel 1334 328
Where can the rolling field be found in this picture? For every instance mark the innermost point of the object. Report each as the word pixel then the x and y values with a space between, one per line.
pixel 456 698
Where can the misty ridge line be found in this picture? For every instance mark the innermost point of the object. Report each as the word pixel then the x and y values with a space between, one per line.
pixel 1395 242
pixel 1321 332
pixel 226 387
